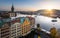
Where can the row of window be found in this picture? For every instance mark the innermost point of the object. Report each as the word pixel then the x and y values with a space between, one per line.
pixel 5 35
pixel 4 28
pixel 5 32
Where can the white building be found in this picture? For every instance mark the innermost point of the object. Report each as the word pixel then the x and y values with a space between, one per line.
pixel 15 30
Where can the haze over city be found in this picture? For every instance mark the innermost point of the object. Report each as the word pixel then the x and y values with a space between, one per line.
pixel 29 5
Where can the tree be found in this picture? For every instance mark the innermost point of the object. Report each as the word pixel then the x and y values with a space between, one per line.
pixel 38 28
pixel 53 32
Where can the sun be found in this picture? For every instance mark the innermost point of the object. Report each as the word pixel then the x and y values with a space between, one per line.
pixel 49 8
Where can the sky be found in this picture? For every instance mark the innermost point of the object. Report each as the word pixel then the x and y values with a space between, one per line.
pixel 29 5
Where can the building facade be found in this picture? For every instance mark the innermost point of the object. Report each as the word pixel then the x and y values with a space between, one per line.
pixel 4 29
pixel 26 25
pixel 15 28
pixel 32 20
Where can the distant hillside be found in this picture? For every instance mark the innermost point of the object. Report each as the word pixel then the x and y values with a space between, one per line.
pixel 53 12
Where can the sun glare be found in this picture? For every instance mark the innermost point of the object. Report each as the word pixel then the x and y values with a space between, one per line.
pixel 49 8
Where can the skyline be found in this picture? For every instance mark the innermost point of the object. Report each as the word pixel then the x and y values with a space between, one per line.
pixel 29 5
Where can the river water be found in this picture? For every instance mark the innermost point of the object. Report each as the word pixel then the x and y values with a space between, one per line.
pixel 46 22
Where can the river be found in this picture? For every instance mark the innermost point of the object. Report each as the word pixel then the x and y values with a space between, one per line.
pixel 46 22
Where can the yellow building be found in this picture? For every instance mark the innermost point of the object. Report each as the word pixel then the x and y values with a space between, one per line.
pixel 26 27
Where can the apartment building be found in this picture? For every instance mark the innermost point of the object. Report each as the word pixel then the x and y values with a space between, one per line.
pixel 4 29
pixel 26 25
pixel 15 28
pixel 32 21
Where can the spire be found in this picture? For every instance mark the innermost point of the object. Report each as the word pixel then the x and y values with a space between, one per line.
pixel 12 8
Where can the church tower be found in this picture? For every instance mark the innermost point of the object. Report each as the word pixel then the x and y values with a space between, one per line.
pixel 12 13
pixel 12 8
